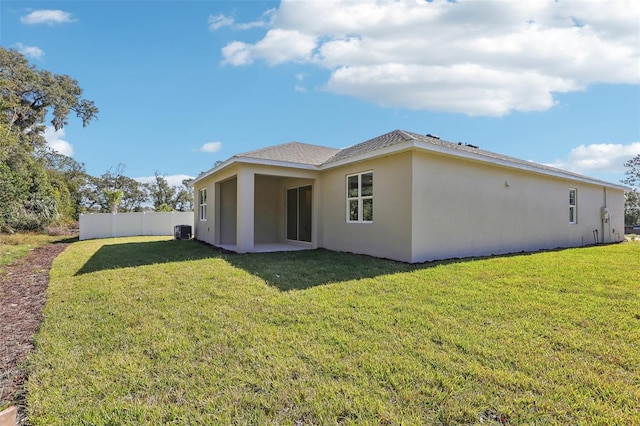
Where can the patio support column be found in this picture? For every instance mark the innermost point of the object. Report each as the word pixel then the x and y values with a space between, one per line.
pixel 245 212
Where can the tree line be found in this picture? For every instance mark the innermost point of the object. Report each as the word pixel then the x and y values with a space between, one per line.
pixel 114 192
pixel 40 187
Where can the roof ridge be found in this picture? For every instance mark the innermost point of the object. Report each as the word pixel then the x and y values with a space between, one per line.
pixel 291 152
pixel 264 148
pixel 388 139
pixel 409 135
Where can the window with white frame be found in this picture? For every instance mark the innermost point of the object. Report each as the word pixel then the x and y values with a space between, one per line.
pixel 573 205
pixel 360 197
pixel 202 204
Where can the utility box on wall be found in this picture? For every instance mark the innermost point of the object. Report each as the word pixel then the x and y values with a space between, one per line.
pixel 182 232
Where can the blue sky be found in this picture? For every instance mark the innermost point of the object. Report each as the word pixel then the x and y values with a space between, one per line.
pixel 182 84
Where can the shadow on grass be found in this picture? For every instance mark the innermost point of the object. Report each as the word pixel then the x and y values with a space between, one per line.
pixel 131 255
pixel 298 270
pixel 68 240
pixel 286 271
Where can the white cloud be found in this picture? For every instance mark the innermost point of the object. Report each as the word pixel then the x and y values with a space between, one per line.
pixel 172 180
pixel 55 141
pixel 237 53
pixel 299 47
pixel 211 147
pixel 478 58
pixel 49 17
pixel 604 158
pixel 219 21
pixel 30 51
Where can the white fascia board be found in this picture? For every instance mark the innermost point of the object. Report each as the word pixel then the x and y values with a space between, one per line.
pixel 257 161
pixel 275 163
pixel 213 170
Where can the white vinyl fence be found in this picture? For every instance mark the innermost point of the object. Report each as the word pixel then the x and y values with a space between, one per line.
pixel 109 225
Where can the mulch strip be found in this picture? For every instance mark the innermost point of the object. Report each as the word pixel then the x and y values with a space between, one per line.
pixel 23 286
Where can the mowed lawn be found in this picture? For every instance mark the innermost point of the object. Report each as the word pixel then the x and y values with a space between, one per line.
pixel 153 331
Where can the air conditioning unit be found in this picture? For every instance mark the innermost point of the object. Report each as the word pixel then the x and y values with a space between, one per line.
pixel 182 232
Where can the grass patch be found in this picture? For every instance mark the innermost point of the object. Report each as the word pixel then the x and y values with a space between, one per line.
pixel 15 246
pixel 153 331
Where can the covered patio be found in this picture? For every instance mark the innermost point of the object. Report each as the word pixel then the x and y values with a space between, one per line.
pixel 265 211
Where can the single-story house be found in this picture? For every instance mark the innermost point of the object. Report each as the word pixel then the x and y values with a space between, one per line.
pixel 402 196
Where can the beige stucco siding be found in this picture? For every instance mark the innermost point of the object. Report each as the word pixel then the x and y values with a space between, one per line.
pixel 204 230
pixel 426 205
pixel 209 230
pixel 465 208
pixel 389 235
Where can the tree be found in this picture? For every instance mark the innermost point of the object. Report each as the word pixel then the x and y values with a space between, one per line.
pixel 632 198
pixel 632 208
pixel 30 94
pixel 168 198
pixel 161 194
pixel 31 197
pixel 184 197
pixel 633 172
pixel 67 177
pixel 113 198
pixel 134 195
pixel 100 193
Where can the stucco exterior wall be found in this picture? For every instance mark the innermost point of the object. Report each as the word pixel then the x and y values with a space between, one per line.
pixel 614 229
pixel 389 235
pixel 465 208
pixel 427 206
pixel 208 231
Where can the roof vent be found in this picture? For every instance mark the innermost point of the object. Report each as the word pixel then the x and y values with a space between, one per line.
pixel 429 135
pixel 471 146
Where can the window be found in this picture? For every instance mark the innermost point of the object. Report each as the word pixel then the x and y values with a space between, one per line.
pixel 360 197
pixel 573 206
pixel 202 204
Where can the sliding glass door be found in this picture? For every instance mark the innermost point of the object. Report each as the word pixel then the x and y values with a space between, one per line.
pixel 299 214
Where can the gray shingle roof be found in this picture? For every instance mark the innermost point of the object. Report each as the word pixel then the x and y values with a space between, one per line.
pixel 383 141
pixel 321 156
pixel 293 152
pixel 400 136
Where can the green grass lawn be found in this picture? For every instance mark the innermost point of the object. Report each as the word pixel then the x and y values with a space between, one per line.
pixel 155 331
